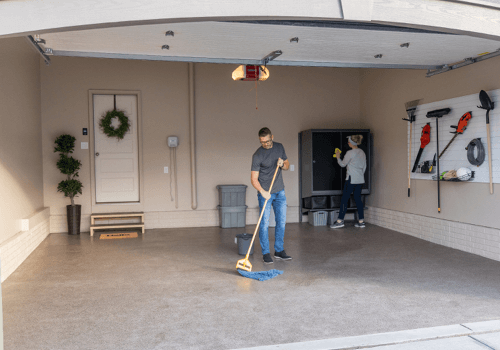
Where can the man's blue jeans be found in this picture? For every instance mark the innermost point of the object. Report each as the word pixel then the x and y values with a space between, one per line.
pixel 278 201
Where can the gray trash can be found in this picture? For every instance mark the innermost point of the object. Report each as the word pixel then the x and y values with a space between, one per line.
pixel 243 240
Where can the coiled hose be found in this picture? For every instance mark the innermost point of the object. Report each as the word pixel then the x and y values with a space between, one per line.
pixel 480 152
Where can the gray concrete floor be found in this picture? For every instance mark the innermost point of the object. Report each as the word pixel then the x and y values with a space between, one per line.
pixel 178 289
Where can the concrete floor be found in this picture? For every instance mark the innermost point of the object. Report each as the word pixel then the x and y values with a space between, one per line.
pixel 178 289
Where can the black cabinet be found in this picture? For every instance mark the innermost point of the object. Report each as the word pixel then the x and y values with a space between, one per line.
pixel 320 175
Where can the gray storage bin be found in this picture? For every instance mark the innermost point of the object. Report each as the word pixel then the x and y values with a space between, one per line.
pixel 318 218
pixel 332 217
pixel 243 240
pixel 232 216
pixel 232 195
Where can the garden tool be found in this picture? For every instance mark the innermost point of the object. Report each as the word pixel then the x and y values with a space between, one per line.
pixel 488 105
pixel 424 141
pixel 411 107
pixel 438 113
pixel 462 125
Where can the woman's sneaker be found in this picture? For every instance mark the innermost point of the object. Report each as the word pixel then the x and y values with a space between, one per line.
pixel 282 255
pixel 338 224
pixel 267 258
pixel 360 224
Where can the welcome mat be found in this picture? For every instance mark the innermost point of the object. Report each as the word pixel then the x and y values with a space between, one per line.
pixel 118 235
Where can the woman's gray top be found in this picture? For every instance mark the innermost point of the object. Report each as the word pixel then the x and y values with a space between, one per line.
pixel 355 160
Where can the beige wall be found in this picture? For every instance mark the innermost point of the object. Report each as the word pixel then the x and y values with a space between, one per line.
pixel 227 122
pixel 21 182
pixel 383 94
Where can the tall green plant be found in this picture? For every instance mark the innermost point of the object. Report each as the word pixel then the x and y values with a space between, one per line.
pixel 65 144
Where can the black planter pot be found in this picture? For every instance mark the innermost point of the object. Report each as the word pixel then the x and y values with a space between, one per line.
pixel 74 215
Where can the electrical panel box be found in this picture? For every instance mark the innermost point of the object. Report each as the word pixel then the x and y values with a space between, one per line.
pixel 173 141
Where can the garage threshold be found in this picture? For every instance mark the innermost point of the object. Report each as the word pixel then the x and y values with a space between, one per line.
pixel 178 289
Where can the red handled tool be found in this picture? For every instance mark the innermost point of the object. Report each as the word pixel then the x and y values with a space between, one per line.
pixel 424 141
pixel 462 125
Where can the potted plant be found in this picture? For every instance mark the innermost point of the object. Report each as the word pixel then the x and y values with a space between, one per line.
pixel 65 144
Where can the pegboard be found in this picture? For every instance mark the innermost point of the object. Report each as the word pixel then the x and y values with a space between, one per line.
pixel 456 156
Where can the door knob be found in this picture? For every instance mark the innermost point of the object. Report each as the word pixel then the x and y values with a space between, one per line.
pixel 97 154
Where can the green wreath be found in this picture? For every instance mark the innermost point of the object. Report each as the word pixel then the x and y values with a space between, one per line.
pixel 105 124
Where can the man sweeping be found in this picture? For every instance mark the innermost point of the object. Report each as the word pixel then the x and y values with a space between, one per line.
pixel 264 162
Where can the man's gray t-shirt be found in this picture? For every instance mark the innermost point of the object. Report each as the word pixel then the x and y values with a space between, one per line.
pixel 265 162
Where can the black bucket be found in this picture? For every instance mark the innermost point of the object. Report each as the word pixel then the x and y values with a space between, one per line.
pixel 243 240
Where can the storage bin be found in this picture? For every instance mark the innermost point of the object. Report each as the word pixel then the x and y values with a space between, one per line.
pixel 316 202
pixel 232 195
pixel 232 216
pixel 332 217
pixel 352 202
pixel 334 201
pixel 318 218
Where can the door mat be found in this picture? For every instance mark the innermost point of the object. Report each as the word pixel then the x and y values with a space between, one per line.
pixel 118 235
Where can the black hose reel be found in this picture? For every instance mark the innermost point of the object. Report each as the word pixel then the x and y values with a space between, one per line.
pixel 480 152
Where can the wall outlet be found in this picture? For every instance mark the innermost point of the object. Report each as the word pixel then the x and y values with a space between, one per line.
pixel 292 167
pixel 165 170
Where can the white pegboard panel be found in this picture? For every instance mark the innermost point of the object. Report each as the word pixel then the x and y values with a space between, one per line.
pixel 456 156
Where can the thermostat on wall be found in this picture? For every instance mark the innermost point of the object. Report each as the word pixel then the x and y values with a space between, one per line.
pixel 173 141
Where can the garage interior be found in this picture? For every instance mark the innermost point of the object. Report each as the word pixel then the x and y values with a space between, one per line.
pixel 175 286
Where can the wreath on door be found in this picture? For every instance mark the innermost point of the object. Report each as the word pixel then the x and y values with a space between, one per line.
pixel 109 130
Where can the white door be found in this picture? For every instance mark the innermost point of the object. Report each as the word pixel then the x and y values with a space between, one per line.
pixel 116 161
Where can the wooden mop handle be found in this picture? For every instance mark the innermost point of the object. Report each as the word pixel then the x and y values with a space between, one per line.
pixel 262 213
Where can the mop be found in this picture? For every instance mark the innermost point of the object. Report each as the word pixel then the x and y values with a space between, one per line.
pixel 243 266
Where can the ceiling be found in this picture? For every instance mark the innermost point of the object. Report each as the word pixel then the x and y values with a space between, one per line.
pixel 330 44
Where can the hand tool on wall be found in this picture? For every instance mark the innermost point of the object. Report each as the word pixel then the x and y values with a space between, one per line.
pixel 438 113
pixel 462 125
pixel 244 264
pixel 424 141
pixel 488 105
pixel 411 108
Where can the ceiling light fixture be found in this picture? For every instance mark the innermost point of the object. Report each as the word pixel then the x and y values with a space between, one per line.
pixel 295 40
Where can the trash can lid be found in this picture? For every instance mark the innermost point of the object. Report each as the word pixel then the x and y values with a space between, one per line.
pixel 244 235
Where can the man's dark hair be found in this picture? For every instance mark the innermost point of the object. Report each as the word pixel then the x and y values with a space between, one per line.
pixel 264 132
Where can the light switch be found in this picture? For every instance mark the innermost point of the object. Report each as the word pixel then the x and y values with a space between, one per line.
pixel 292 167
pixel 85 145
pixel 165 170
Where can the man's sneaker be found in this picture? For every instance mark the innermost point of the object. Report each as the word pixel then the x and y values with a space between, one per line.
pixel 360 224
pixel 268 259
pixel 338 224
pixel 282 255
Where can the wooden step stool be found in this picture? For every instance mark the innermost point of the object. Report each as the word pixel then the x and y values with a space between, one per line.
pixel 115 216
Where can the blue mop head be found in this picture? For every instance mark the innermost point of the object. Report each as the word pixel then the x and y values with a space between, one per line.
pixel 261 275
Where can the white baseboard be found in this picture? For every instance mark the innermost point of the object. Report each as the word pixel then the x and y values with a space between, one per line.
pixel 172 219
pixel 17 248
pixel 480 240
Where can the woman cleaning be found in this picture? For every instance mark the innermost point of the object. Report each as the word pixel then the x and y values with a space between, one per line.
pixel 355 161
